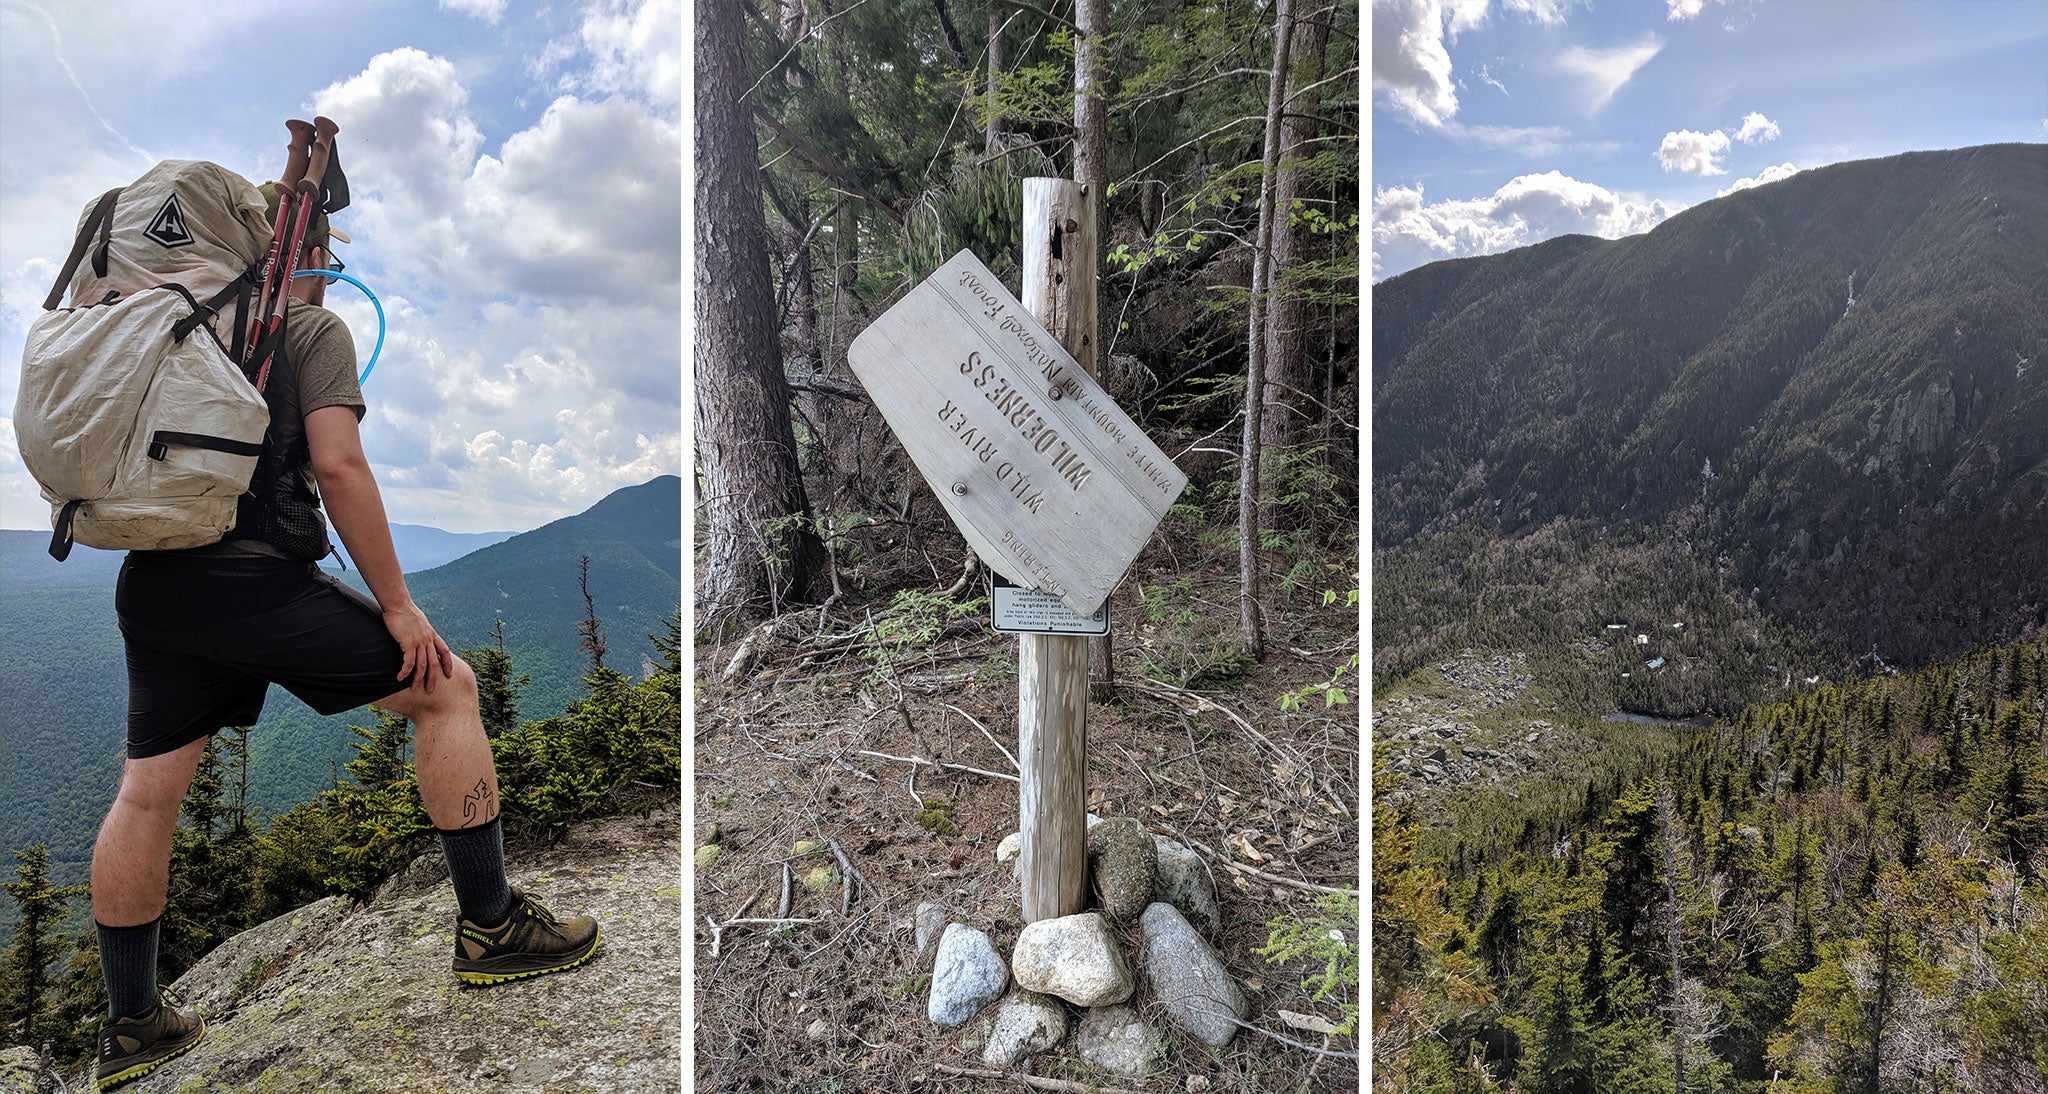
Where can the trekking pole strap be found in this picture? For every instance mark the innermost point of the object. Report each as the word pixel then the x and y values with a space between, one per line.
pixel 101 220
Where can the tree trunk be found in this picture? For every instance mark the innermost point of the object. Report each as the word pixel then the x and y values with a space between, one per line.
pixel 993 132
pixel 1285 418
pixel 953 41
pixel 1091 170
pixel 1255 372
pixel 760 550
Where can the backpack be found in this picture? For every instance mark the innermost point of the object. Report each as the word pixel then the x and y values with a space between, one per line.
pixel 134 418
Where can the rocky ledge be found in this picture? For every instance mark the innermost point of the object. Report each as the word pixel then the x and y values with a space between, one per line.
pixel 344 997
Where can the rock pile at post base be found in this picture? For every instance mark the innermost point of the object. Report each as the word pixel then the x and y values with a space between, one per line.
pixel 1150 887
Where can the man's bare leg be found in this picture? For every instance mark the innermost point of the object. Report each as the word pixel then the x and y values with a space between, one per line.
pixel 131 861
pixel 451 753
pixel 459 786
pixel 131 864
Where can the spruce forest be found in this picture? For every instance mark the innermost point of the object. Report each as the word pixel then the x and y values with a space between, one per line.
pixel 1710 720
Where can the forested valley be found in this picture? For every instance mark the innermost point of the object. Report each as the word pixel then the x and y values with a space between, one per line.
pixel 854 704
pixel 1710 741
pixel 1841 891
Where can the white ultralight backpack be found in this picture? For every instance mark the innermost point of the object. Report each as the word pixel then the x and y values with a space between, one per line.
pixel 133 417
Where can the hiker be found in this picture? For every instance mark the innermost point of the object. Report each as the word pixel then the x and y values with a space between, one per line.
pixel 207 629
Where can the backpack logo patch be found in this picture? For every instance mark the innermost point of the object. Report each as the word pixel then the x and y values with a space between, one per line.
pixel 169 226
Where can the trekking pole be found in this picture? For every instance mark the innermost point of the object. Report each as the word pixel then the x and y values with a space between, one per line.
pixel 298 153
pixel 307 195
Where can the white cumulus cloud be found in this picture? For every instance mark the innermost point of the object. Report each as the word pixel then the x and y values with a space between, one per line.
pixel 1606 71
pixel 532 286
pixel 1763 177
pixel 1693 153
pixel 1756 129
pixel 1411 68
pixel 1408 230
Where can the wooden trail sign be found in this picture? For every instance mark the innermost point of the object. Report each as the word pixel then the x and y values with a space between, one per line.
pixel 1050 481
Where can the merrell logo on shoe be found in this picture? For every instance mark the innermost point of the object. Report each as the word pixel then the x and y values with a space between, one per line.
pixel 128 1044
pixel 169 226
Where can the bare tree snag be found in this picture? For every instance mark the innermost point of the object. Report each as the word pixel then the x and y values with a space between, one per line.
pixel 1255 373
pixel 1091 170
pixel 993 119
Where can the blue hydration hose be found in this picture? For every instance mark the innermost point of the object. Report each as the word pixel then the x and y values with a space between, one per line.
pixel 337 274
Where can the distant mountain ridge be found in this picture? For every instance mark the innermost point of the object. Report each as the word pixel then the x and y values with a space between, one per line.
pixel 1834 384
pixel 61 668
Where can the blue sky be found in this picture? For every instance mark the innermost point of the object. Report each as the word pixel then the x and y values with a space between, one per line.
pixel 1500 123
pixel 517 176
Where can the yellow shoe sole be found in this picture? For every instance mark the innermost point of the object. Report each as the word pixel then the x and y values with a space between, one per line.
pixel 139 1070
pixel 486 979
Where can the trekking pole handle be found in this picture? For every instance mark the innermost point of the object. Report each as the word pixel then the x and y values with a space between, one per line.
pixel 297 153
pixel 322 149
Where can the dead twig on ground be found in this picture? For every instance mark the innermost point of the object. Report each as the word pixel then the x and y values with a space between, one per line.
pixel 1275 879
pixel 847 875
pixel 1289 1041
pixel 782 909
pixel 1200 703
pixel 1035 1082
pixel 857 920
pixel 858 773
pixel 748 651
pixel 985 732
pixel 936 763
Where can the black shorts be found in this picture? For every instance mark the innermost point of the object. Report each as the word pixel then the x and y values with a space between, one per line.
pixel 206 637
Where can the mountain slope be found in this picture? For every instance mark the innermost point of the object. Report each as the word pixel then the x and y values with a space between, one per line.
pixel 60 658
pixel 1830 389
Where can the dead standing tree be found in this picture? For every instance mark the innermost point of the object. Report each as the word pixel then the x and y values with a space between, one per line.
pixel 1255 373
pixel 761 550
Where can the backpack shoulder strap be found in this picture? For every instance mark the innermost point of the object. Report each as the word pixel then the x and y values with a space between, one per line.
pixel 101 220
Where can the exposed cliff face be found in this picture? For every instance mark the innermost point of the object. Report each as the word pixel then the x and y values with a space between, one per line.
pixel 338 997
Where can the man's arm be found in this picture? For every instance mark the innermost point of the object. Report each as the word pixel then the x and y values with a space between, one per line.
pixel 353 503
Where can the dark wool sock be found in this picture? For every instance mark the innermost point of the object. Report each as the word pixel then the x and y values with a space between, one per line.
pixel 128 965
pixel 476 864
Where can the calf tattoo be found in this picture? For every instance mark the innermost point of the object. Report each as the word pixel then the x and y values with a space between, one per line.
pixel 480 805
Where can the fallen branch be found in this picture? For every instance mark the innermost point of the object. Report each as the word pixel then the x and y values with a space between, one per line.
pixel 749 649
pixel 847 874
pixel 844 931
pixel 936 763
pixel 1305 886
pixel 1036 1082
pixel 782 909
pixel 1201 703
pixel 1338 1053
pixel 837 759
pixel 985 732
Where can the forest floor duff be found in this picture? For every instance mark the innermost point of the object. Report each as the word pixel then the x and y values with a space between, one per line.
pixel 794 770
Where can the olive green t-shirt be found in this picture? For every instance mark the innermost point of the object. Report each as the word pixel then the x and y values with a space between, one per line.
pixel 317 370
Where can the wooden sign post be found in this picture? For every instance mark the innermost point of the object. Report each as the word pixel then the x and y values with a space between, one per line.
pixel 1052 682
pixel 1051 483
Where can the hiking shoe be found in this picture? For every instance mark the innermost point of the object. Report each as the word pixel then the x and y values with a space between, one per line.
pixel 530 942
pixel 133 1047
